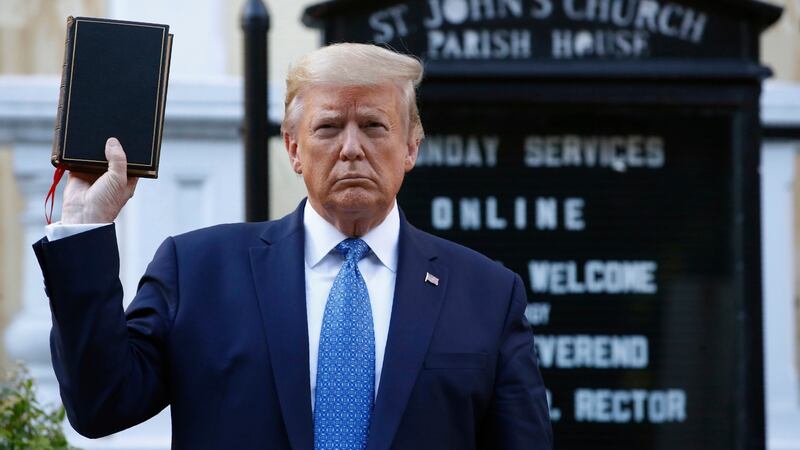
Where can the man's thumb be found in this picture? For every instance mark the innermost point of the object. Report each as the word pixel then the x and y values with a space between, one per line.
pixel 117 162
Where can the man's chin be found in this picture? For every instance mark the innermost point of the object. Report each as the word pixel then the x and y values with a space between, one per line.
pixel 356 201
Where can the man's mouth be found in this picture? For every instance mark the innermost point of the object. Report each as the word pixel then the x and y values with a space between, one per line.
pixel 353 179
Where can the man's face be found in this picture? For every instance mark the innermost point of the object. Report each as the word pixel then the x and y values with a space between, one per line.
pixel 352 145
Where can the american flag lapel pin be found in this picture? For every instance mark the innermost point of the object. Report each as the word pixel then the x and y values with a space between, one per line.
pixel 431 279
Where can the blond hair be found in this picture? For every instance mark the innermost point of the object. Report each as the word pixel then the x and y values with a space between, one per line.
pixel 350 64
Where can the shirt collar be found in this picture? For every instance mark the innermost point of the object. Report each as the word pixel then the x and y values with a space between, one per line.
pixel 322 237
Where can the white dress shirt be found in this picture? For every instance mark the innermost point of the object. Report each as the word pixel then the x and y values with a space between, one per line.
pixel 57 230
pixel 322 264
pixel 379 269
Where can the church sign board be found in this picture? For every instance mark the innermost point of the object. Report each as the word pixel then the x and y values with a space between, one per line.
pixel 607 151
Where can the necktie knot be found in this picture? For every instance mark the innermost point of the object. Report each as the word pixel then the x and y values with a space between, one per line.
pixel 353 249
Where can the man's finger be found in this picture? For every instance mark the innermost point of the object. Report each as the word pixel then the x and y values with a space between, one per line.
pixel 89 178
pixel 117 162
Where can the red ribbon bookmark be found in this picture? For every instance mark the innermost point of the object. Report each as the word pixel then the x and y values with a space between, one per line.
pixel 51 194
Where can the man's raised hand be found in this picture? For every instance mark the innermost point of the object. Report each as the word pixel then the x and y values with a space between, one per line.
pixel 91 198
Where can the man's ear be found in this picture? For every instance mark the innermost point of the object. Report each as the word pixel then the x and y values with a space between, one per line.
pixel 292 150
pixel 412 150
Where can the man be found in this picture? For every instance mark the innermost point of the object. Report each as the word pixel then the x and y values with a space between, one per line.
pixel 338 326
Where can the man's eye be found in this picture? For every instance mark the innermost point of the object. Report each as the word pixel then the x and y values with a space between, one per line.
pixel 325 127
pixel 375 125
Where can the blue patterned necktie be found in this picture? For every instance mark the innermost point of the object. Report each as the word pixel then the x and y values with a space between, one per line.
pixel 346 362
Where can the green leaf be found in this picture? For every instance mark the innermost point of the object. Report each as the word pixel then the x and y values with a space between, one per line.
pixel 24 423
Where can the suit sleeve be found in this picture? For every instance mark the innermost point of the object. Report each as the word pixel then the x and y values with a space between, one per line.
pixel 111 366
pixel 519 417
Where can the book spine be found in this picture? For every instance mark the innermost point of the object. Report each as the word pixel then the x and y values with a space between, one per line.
pixel 162 108
pixel 61 116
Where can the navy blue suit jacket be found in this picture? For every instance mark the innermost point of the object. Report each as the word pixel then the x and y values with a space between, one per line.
pixel 218 331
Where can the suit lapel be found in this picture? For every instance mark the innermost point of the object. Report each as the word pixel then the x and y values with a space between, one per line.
pixel 414 313
pixel 279 274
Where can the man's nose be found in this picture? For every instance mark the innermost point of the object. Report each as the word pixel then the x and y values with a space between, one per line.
pixel 352 148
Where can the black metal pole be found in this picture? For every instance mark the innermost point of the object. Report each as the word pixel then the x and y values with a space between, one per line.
pixel 255 25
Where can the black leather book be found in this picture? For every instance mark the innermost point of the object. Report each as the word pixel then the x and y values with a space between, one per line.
pixel 114 83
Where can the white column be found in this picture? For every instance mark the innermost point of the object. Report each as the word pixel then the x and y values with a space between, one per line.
pixel 777 201
pixel 780 106
pixel 27 337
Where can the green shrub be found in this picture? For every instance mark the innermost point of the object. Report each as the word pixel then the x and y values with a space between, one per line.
pixel 24 423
